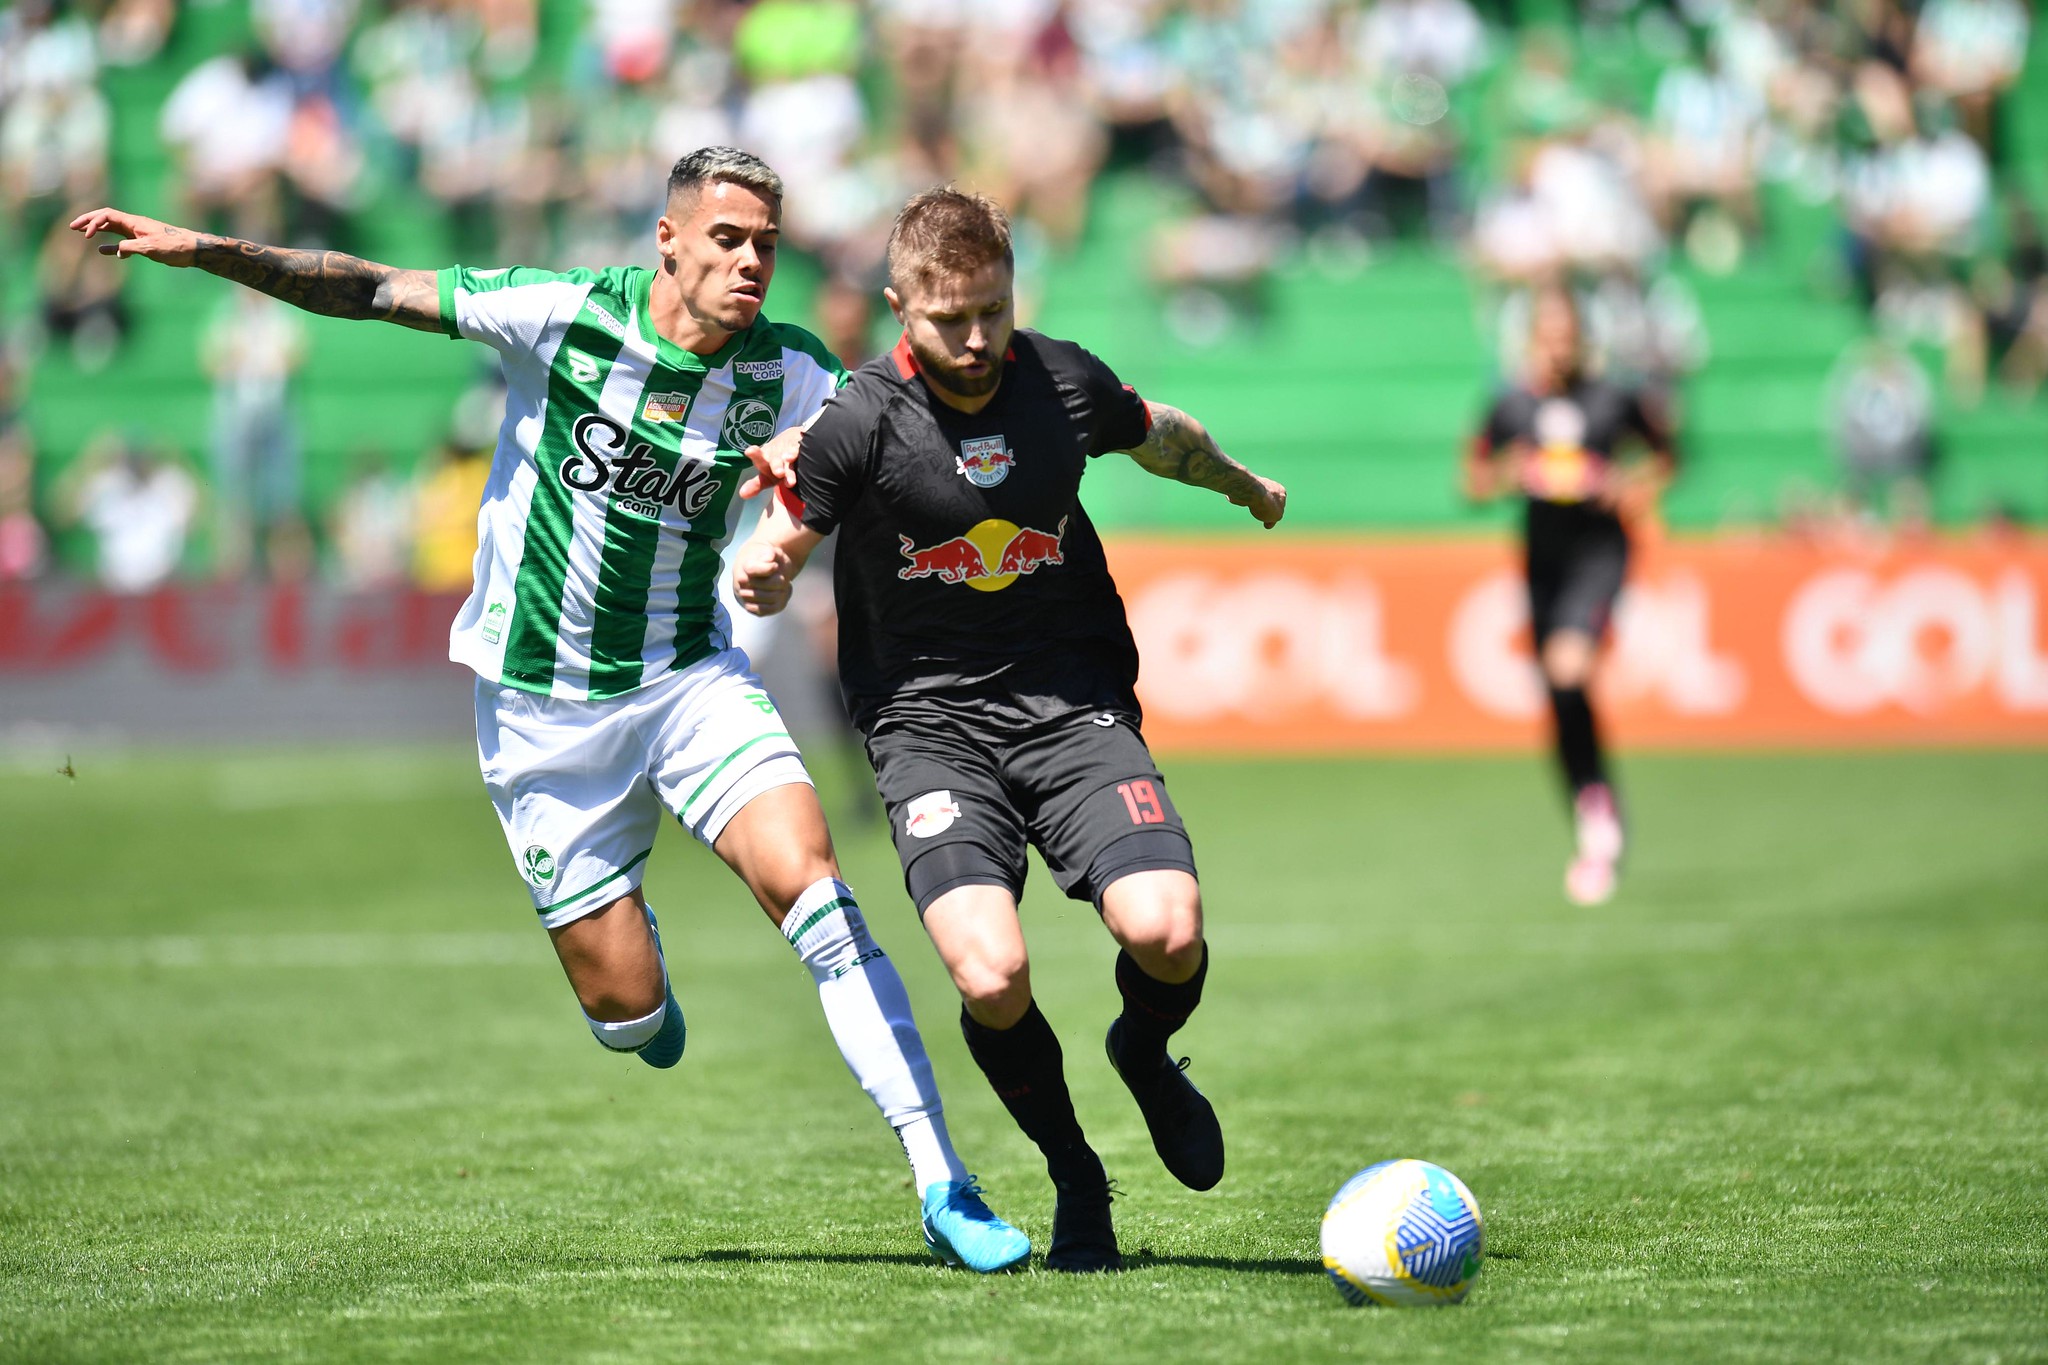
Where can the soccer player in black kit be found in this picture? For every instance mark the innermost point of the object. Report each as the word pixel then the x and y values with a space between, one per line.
pixel 988 665
pixel 1556 438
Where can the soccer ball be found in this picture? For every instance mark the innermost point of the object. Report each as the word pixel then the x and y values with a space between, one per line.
pixel 1402 1232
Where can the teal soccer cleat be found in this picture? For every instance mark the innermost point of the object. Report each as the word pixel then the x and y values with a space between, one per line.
pixel 960 1230
pixel 665 1048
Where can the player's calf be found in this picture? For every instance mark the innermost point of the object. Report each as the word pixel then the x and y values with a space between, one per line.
pixel 1158 915
pixel 614 963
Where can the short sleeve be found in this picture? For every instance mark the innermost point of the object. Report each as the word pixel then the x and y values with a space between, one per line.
pixel 1119 418
pixel 1494 429
pixel 509 308
pixel 811 375
pixel 832 468
pixel 1647 420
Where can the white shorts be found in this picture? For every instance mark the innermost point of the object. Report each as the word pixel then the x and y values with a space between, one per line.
pixel 580 785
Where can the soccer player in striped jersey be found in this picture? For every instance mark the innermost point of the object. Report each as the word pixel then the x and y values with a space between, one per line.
pixel 607 688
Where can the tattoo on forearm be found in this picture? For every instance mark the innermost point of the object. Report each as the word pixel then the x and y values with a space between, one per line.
pixel 326 282
pixel 1178 447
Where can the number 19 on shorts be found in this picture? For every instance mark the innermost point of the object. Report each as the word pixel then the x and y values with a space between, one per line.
pixel 1142 801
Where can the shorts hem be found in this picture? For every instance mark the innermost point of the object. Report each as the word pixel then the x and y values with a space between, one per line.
pixel 571 908
pixel 924 901
pixel 777 770
pixel 1139 851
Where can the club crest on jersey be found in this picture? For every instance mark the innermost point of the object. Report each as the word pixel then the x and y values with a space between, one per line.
pixel 985 461
pixel 665 407
pixel 990 557
pixel 748 422
pixel 930 814
pixel 602 461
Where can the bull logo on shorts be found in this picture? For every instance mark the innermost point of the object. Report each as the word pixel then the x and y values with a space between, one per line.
pixel 930 814
pixel 539 865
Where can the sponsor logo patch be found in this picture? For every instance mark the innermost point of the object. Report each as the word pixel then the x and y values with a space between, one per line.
pixel 990 557
pixel 985 461
pixel 494 623
pixel 930 814
pixel 603 461
pixel 760 371
pixel 539 865
pixel 605 319
pixel 582 368
pixel 665 407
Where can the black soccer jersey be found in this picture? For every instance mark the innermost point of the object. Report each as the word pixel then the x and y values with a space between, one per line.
pixel 967 567
pixel 1569 439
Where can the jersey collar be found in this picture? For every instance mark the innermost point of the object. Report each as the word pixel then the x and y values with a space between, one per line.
pixel 666 351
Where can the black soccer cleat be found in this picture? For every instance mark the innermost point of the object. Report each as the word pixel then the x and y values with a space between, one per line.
pixel 1181 1120
pixel 1083 1237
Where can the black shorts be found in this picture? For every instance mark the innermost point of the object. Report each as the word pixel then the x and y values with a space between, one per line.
pixel 964 800
pixel 1577 559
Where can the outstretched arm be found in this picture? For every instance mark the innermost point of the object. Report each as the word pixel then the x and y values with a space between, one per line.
pixel 325 282
pixel 766 566
pixel 1179 447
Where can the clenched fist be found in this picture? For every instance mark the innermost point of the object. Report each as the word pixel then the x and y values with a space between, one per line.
pixel 761 578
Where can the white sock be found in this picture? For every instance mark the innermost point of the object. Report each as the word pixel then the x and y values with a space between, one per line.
pixel 628 1035
pixel 869 1014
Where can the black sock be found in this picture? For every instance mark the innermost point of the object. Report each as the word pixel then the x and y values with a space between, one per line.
pixel 1024 1066
pixel 1153 1009
pixel 1578 740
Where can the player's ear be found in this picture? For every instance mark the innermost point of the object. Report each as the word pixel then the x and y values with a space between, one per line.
pixel 665 241
pixel 895 301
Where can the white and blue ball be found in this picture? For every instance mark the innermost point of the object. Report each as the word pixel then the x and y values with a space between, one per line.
pixel 1403 1232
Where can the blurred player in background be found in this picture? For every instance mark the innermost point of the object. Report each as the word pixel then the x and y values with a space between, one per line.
pixel 607 687
pixel 1556 437
pixel 986 659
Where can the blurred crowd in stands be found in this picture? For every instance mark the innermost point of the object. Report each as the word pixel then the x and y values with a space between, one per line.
pixel 1603 142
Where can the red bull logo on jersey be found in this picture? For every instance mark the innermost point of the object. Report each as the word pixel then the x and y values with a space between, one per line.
pixel 985 461
pixel 990 557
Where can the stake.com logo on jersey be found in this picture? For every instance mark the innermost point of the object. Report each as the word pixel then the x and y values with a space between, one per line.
pixel 634 476
pixel 990 557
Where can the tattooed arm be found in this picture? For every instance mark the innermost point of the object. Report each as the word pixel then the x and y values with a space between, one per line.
pixel 324 282
pixel 1179 447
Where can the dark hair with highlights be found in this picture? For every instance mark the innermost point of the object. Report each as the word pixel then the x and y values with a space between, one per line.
pixel 708 164
pixel 947 231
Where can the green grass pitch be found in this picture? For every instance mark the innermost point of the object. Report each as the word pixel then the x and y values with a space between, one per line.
pixel 287 1073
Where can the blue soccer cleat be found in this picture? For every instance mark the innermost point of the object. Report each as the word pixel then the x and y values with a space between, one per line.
pixel 960 1230
pixel 665 1048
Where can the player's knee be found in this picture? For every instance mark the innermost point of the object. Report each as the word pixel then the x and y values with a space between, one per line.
pixel 1161 926
pixel 995 989
pixel 1568 659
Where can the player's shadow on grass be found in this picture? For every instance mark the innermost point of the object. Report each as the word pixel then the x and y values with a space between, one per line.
pixel 728 1255
pixel 1139 1260
pixel 1242 1265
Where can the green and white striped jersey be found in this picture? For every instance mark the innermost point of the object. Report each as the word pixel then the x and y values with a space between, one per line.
pixel 613 490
